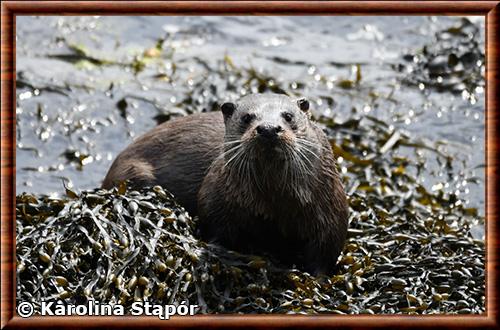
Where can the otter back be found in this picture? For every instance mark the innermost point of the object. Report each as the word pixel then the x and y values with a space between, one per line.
pixel 175 155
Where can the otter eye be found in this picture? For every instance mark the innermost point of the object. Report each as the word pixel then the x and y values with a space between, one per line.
pixel 247 119
pixel 288 116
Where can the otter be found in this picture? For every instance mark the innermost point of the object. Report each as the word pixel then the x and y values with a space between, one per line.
pixel 260 175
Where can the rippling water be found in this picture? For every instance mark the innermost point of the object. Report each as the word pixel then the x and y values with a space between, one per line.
pixel 86 86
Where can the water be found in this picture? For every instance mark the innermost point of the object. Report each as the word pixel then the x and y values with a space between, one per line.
pixel 87 86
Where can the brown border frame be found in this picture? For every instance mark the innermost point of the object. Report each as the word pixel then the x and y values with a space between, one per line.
pixel 9 9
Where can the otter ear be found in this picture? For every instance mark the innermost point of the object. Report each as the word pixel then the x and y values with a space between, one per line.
pixel 227 109
pixel 303 104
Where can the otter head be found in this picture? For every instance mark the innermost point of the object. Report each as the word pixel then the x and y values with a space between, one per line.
pixel 268 123
pixel 269 136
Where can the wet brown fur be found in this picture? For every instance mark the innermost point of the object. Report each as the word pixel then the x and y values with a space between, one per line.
pixel 175 155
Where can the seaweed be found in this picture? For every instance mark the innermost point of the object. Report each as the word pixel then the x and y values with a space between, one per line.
pixel 456 67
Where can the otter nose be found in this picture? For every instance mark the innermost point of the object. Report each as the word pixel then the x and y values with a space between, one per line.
pixel 268 131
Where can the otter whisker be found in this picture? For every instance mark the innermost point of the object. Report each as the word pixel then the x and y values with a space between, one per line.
pixel 231 142
pixel 311 152
pixel 255 177
pixel 297 173
pixel 218 147
pixel 303 157
pixel 239 162
pixel 239 151
pixel 244 168
pixel 227 152
pixel 295 170
pixel 232 136
pixel 284 173
pixel 312 144
pixel 224 154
